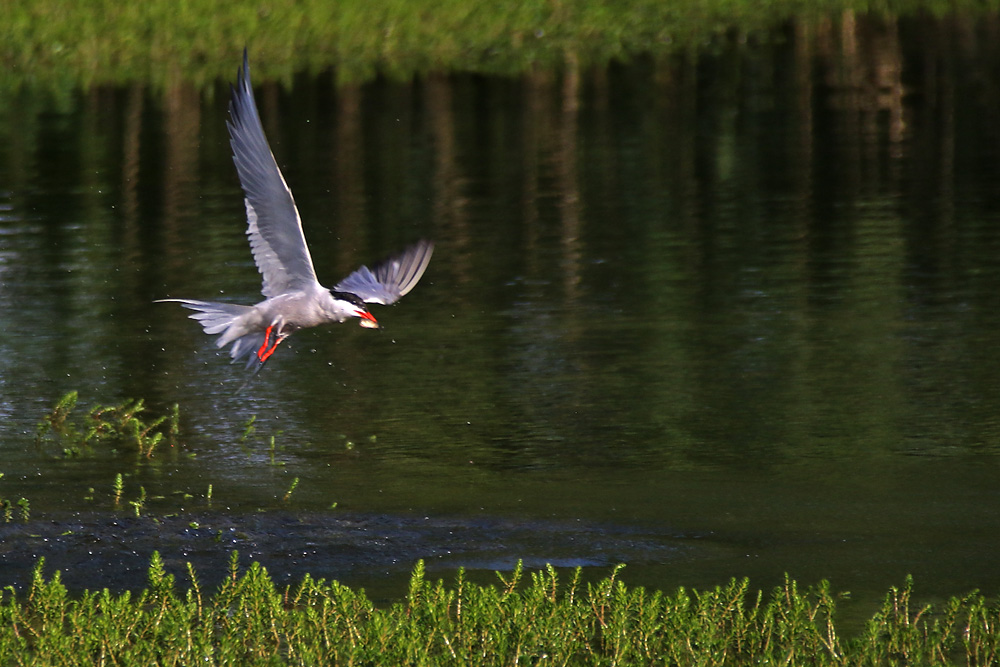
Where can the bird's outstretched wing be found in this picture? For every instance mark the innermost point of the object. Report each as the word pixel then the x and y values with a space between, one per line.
pixel 390 279
pixel 273 223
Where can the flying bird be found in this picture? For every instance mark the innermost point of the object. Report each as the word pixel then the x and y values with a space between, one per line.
pixel 294 298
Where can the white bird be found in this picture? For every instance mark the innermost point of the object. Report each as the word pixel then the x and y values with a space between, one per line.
pixel 294 297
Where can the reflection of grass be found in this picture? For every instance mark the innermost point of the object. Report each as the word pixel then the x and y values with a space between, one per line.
pixel 524 620
pixel 118 424
pixel 62 44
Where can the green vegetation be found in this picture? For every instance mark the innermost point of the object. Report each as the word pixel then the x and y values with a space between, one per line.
pixel 537 618
pixel 114 430
pixel 249 621
pixel 59 44
pixel 118 424
pixel 7 508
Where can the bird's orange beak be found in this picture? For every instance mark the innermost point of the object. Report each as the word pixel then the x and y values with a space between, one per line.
pixel 367 320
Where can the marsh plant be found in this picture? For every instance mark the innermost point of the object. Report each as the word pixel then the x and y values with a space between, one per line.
pixel 114 425
pixel 532 619
pixel 7 508
pixel 53 43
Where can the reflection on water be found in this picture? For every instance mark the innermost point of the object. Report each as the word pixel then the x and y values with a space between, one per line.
pixel 747 296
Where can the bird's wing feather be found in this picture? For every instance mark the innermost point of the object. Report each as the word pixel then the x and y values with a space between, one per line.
pixel 273 223
pixel 390 279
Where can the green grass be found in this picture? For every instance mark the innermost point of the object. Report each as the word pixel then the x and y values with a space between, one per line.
pixel 114 424
pixel 522 620
pixel 53 43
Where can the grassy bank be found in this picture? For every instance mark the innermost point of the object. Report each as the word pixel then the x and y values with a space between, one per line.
pixel 55 43
pixel 521 620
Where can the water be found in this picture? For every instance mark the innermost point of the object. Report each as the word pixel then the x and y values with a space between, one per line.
pixel 727 314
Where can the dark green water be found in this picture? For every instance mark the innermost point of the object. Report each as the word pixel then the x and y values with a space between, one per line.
pixel 733 313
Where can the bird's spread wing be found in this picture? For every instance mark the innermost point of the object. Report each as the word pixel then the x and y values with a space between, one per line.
pixel 390 279
pixel 273 224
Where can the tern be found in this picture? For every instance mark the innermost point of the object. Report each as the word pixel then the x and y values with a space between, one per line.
pixel 294 298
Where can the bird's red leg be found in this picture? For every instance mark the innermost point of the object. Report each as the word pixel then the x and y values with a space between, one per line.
pixel 267 348
pixel 262 353
pixel 274 347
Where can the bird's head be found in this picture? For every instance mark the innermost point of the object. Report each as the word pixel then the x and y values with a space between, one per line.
pixel 351 305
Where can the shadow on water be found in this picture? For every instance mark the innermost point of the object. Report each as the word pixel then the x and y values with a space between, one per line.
pixel 95 551
pixel 717 314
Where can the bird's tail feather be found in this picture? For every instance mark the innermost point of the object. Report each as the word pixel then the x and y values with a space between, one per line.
pixel 248 345
pixel 222 318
